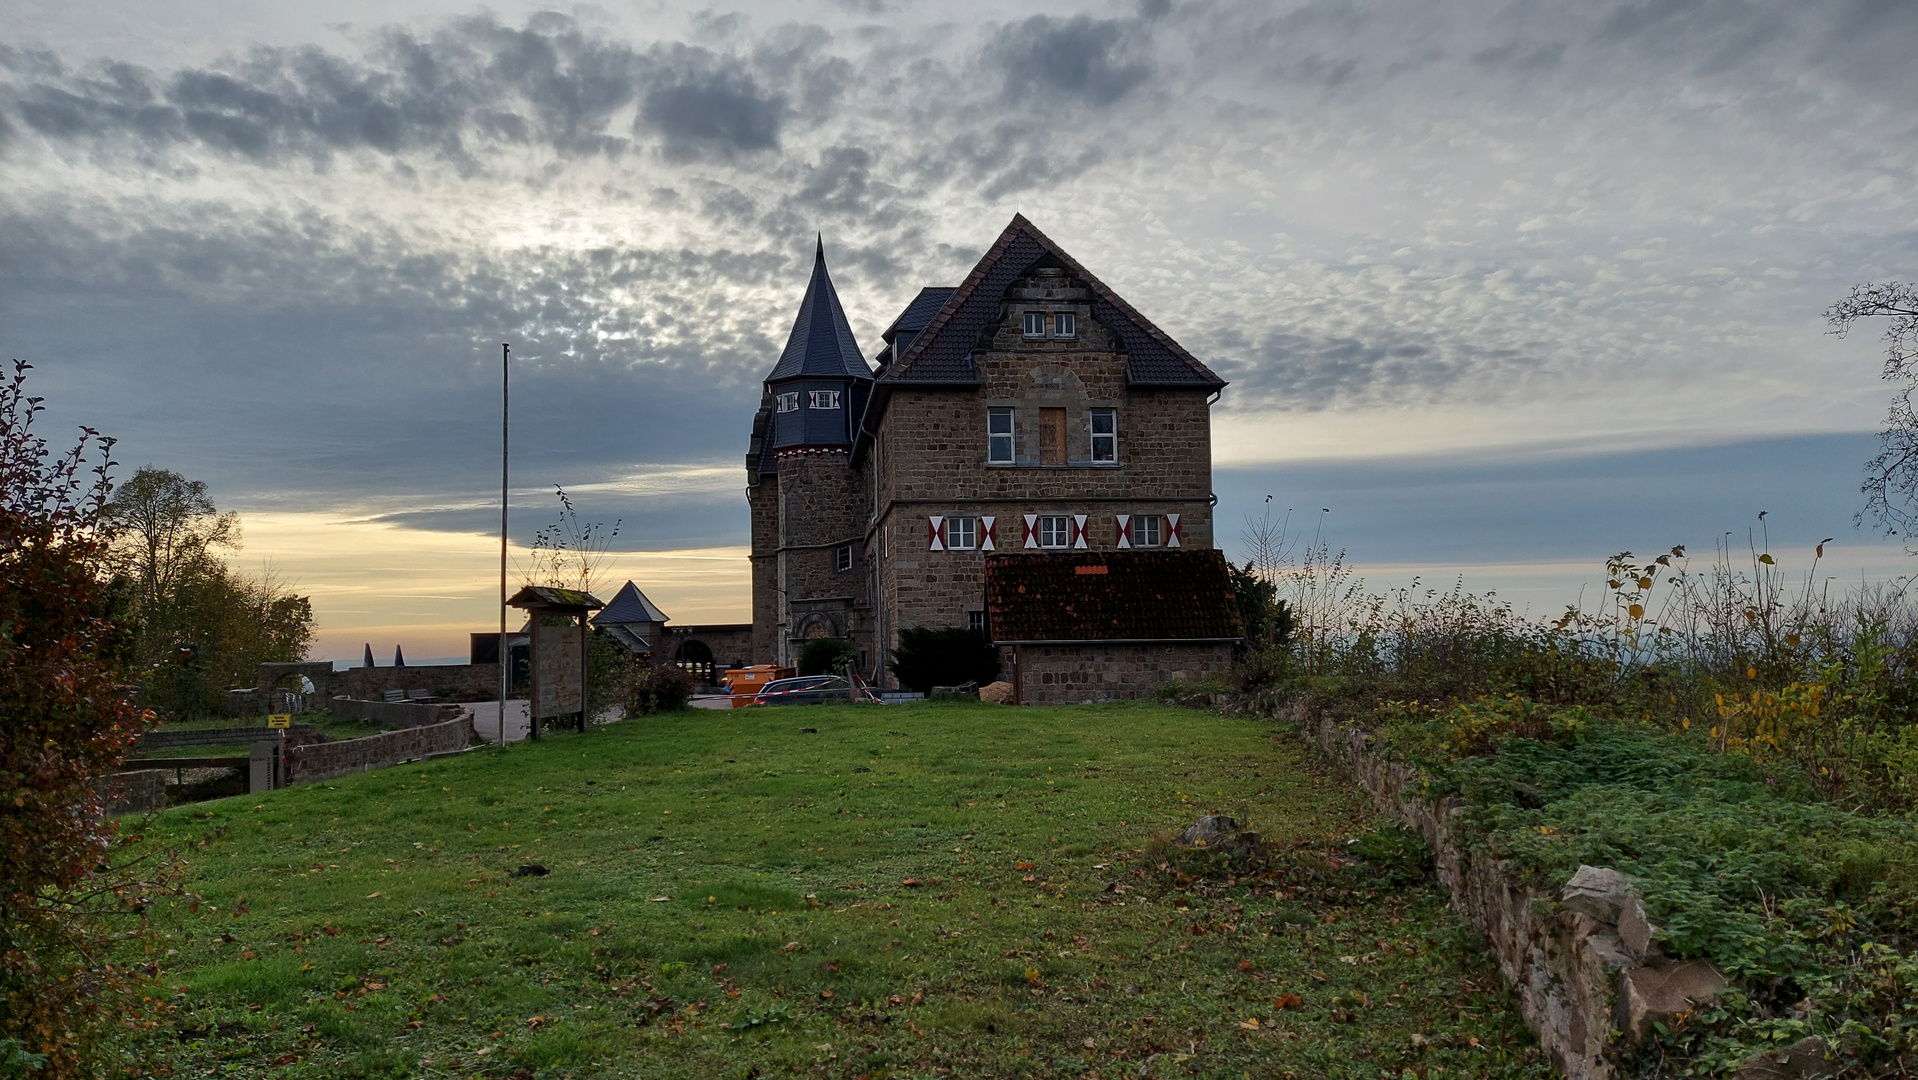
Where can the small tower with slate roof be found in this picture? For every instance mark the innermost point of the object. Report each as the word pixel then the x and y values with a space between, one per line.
pixel 808 510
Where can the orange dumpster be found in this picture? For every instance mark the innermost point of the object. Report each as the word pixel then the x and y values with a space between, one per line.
pixel 744 683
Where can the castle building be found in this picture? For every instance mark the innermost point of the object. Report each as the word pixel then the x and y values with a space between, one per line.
pixel 1030 411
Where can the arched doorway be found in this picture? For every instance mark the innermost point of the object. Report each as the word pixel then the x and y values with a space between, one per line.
pixel 695 658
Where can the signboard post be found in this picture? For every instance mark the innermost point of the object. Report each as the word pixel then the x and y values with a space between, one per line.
pixel 281 721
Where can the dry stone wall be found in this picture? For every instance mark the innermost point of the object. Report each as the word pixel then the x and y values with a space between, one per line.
pixel 1581 961
pixel 324 761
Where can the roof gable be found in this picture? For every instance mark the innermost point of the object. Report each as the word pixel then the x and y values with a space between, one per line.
pixel 942 353
pixel 629 605
pixel 1111 596
pixel 821 342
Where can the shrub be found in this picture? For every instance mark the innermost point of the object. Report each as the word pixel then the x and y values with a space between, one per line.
pixel 827 656
pixel 927 658
pixel 661 688
pixel 64 719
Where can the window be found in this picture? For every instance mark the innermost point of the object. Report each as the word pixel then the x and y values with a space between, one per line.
pixel 1105 435
pixel 999 436
pixel 1148 530
pixel 842 559
pixel 976 621
pixel 1064 324
pixel 1055 532
pixel 789 402
pixel 822 399
pixel 1052 436
pixel 962 533
pixel 1035 324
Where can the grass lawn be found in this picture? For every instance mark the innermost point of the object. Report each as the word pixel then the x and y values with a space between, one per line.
pixel 917 890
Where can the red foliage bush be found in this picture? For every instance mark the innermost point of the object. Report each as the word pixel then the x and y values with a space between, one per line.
pixel 64 720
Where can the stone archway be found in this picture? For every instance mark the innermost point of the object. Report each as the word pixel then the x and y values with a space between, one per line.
pixel 695 657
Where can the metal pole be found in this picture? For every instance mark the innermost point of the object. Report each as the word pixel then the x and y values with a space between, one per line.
pixel 505 653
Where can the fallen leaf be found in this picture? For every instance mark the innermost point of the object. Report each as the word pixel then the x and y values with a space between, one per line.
pixel 1288 1001
pixel 1250 1025
pixel 374 895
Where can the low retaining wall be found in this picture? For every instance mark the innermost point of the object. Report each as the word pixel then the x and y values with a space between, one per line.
pixel 402 713
pixel 324 761
pixel 456 682
pixel 1577 980
pixel 168 738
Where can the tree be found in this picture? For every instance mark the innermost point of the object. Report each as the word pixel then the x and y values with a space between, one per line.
pixel 1891 478
pixel 827 656
pixel 64 720
pixel 200 627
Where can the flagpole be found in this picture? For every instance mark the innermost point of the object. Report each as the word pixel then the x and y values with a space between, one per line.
pixel 505 652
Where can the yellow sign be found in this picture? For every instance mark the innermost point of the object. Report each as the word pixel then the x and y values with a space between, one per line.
pixel 280 720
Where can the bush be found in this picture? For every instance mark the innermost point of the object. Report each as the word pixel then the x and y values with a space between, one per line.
pixel 64 719
pixel 662 688
pixel 927 658
pixel 827 656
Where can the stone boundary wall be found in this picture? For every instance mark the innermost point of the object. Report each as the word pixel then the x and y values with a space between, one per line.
pixel 1581 969
pixel 167 739
pixel 403 713
pixel 324 761
pixel 469 682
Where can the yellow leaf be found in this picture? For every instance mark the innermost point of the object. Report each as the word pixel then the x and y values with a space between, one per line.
pixel 1792 640
pixel 1637 611
pixel 1766 559
pixel 1751 673
pixel 1644 583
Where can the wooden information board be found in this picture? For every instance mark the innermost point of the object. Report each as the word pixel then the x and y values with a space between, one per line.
pixel 556 666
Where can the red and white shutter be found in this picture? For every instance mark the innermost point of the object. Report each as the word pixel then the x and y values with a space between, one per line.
pixel 1172 533
pixel 1030 534
pixel 1078 530
pixel 936 534
pixel 988 536
pixel 1125 530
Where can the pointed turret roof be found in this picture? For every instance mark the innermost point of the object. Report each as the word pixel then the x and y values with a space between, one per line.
pixel 629 606
pixel 821 341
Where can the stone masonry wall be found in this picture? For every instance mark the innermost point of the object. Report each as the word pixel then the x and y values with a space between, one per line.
pixel 324 761
pixel 1580 972
pixel 822 507
pixel 762 499
pixel 468 682
pixel 1075 674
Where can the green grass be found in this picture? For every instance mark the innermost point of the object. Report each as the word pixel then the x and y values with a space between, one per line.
pixel 908 891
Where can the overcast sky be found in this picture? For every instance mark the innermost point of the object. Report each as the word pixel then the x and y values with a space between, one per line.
pixel 1507 286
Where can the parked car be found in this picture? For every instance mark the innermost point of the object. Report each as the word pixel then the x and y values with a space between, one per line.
pixel 810 690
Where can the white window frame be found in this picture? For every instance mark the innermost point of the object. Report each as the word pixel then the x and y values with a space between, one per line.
pixel 1065 324
pixel 1109 437
pixel 962 533
pixel 1148 530
pixel 993 445
pixel 1035 324
pixel 976 621
pixel 1055 531
pixel 788 402
pixel 842 558
pixel 822 399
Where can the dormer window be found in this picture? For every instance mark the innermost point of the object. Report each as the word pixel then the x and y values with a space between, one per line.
pixel 1064 325
pixel 789 402
pixel 1035 324
pixel 822 399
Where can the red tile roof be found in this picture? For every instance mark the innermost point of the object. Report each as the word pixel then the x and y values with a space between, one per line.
pixel 1111 596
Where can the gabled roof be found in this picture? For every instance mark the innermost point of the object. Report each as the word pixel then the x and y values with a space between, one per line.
pixel 1111 596
pixel 942 353
pixel 920 312
pixel 549 598
pixel 821 342
pixel 629 606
